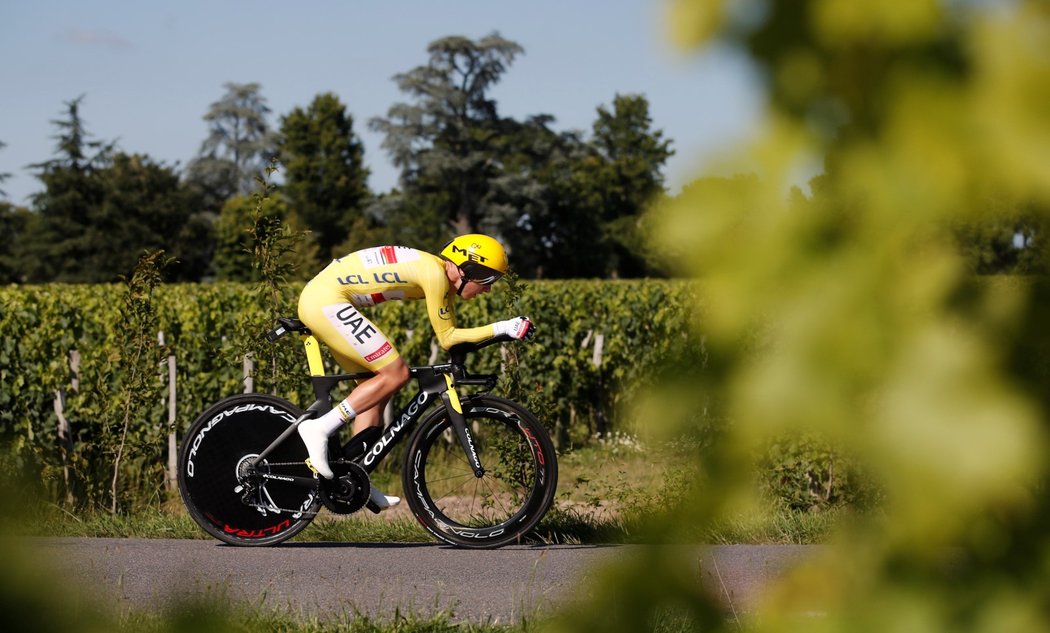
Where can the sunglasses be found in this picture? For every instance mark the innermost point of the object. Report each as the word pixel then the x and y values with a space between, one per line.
pixel 486 281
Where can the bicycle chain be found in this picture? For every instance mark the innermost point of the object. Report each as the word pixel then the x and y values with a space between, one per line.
pixel 304 513
pixel 274 508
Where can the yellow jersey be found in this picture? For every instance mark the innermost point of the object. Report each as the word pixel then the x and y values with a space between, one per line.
pixel 330 302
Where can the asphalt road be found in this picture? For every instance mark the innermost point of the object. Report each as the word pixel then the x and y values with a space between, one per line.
pixel 329 579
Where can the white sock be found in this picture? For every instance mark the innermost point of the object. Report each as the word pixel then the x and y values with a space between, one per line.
pixel 345 412
pixel 315 434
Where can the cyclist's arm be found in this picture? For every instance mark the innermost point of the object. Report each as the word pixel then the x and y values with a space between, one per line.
pixel 443 317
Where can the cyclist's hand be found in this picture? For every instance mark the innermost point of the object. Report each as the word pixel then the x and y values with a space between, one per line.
pixel 519 328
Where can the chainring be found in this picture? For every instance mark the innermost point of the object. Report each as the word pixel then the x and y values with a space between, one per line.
pixel 348 491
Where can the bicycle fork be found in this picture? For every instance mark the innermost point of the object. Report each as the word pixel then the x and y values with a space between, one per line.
pixel 459 423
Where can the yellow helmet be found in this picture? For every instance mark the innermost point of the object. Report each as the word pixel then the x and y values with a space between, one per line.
pixel 481 258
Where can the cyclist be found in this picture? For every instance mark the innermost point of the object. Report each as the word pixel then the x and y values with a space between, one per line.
pixel 330 306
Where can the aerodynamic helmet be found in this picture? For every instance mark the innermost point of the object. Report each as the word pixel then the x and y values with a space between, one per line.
pixel 481 258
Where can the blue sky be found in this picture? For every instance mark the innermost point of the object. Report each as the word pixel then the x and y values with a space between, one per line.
pixel 150 70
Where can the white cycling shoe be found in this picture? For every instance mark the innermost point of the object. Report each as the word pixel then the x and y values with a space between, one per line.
pixel 314 434
pixel 381 500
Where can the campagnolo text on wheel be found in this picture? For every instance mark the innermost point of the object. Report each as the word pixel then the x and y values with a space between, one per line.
pixel 478 471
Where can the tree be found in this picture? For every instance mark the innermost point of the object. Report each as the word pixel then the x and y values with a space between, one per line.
pixel 567 206
pixel 233 260
pixel 56 241
pixel 548 204
pixel 631 178
pixel 146 208
pixel 241 215
pixel 326 183
pixel 100 209
pixel 443 141
pixel 3 175
pixel 581 202
pixel 239 145
pixel 13 224
pixel 625 138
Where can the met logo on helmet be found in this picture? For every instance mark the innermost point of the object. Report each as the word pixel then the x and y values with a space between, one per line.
pixel 470 253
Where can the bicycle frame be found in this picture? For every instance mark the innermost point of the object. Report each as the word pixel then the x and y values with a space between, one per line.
pixel 435 382
pixel 244 487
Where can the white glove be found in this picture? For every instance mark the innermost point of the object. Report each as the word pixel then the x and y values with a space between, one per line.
pixel 517 328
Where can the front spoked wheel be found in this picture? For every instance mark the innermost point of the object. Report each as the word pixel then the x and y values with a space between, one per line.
pixel 219 472
pixel 500 506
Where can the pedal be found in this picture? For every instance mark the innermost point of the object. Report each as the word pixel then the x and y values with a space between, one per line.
pixel 373 507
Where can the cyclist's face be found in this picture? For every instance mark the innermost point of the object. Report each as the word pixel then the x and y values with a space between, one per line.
pixel 473 289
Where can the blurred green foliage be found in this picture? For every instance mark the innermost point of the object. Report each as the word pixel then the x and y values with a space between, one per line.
pixel 808 474
pixel 849 313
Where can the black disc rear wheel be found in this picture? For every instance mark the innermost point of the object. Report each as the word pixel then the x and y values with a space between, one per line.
pixel 497 508
pixel 217 460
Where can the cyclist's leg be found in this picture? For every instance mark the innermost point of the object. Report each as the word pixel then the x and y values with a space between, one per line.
pixel 370 397
pixel 394 374
pixel 363 400
pixel 389 378
pixel 371 416
pixel 356 343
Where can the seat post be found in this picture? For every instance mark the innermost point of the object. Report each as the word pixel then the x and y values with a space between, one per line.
pixel 313 355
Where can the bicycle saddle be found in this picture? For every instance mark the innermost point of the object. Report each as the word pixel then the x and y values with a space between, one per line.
pixel 285 325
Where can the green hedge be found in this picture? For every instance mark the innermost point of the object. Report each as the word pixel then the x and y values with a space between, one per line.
pixel 209 328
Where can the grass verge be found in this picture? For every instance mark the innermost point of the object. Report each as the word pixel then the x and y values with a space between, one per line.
pixel 606 495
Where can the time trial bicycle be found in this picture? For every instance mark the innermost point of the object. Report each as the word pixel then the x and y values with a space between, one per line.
pixel 479 471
